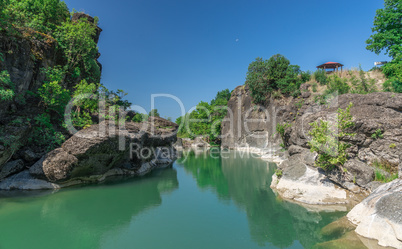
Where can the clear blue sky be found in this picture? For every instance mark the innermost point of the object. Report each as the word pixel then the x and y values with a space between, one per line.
pixel 193 49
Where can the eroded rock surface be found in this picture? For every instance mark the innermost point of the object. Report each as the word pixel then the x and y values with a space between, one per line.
pixel 379 216
pixel 251 126
pixel 101 151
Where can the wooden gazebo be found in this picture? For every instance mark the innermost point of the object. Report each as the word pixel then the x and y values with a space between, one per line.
pixel 331 65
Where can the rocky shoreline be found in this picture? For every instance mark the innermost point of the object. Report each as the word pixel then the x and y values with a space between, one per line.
pixel 91 156
pixel 298 180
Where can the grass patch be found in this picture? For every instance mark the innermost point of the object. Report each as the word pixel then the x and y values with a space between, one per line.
pixel 385 166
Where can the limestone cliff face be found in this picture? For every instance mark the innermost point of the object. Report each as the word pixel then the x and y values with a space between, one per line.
pixel 255 126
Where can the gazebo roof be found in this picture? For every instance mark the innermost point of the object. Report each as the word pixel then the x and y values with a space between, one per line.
pixel 330 64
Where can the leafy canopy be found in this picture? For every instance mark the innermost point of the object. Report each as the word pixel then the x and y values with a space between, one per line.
pixel 387 30
pixel 40 15
pixel 276 73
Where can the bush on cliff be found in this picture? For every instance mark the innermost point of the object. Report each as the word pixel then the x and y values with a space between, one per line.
pixel 321 76
pixel 362 84
pixel 40 15
pixel 327 140
pixel 337 85
pixel 154 113
pixel 6 87
pixel 266 76
pixel 140 117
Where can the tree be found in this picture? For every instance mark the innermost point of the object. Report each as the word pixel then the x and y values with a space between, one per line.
pixel 206 119
pixel 387 30
pixel 40 15
pixel 140 117
pixel 154 113
pixel 266 76
pixel 80 50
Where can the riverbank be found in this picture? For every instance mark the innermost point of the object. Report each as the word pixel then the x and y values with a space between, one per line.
pixel 92 156
pixel 375 146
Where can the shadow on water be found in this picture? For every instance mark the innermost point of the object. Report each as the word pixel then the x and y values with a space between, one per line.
pixel 246 181
pixel 65 219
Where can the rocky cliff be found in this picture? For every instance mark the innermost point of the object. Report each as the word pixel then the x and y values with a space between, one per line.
pixel 25 57
pixel 378 140
pixel 250 126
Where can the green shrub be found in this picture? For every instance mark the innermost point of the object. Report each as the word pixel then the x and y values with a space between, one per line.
pixel 327 140
pixel 281 129
pixel 278 173
pixel 362 85
pixel 139 117
pixel 377 134
pixel 314 86
pixel 392 146
pixel 6 87
pixel 81 120
pixel 305 76
pixel 321 76
pixel 335 84
pixel 44 134
pixel 54 97
pixel 86 97
pixel 56 73
pixel 154 113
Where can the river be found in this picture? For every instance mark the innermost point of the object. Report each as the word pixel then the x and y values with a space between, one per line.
pixel 200 202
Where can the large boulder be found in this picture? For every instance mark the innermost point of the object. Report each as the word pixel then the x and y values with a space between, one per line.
pixel 100 148
pixel 297 181
pixel 379 216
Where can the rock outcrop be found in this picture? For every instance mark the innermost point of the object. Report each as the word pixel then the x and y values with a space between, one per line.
pixel 379 216
pixel 101 151
pixel 191 144
pixel 250 126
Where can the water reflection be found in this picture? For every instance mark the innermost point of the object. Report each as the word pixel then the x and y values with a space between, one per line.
pixel 73 218
pixel 246 182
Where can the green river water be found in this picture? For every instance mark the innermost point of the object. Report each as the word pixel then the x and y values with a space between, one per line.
pixel 210 202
